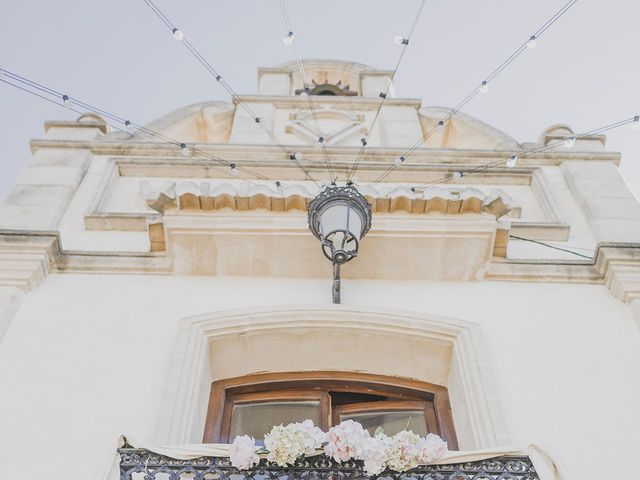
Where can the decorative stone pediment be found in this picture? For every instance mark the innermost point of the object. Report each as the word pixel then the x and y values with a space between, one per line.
pixel 336 125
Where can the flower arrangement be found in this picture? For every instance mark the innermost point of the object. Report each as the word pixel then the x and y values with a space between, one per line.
pixel 347 441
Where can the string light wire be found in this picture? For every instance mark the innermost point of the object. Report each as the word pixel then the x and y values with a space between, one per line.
pixel 404 44
pixel 9 78
pixel 548 245
pixel 306 89
pixel 477 89
pixel 527 153
pixel 220 79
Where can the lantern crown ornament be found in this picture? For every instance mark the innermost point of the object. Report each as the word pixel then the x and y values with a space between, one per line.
pixel 339 217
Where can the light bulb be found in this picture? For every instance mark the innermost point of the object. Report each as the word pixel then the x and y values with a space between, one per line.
pixel 185 150
pixel 400 40
pixel 399 161
pixel 177 34
pixel 295 156
pixel 320 142
pixel 363 141
pixel 635 125
pixel 532 42
pixel 128 127
pixel 305 91
pixel 457 175
pixel 354 180
pixel 288 39
pixel 568 142
pixel 234 169
pixel 440 125
pixel 512 161
pixel 484 87
pixel 279 186
pixel 66 101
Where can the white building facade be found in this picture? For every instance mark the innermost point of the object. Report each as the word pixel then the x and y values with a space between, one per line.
pixel 133 278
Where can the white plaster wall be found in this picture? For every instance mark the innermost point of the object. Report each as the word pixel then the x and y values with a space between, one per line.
pixel 85 359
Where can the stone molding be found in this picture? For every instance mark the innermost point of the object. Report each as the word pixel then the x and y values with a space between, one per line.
pixel 450 201
pixel 346 103
pixel 26 259
pixel 620 266
pixel 477 412
pixel 257 155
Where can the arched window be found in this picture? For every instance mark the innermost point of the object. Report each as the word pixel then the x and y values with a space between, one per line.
pixel 251 405
pixel 330 89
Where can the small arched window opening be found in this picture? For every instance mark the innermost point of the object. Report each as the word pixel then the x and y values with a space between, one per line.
pixel 329 89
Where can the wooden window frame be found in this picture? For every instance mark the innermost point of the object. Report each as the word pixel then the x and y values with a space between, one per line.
pixel 232 400
pixel 295 385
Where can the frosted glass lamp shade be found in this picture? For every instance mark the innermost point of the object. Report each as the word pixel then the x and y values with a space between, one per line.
pixel 339 217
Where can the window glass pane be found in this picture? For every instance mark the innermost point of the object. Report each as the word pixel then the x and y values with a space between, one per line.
pixel 256 419
pixel 391 422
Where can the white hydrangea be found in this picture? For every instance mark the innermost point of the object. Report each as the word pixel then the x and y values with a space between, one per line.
pixel 374 454
pixel 345 441
pixel 287 443
pixel 402 451
pixel 312 436
pixel 431 448
pixel 242 452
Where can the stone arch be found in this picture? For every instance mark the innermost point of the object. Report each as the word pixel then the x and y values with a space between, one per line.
pixel 431 348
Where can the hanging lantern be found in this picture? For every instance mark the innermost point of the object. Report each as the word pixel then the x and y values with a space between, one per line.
pixel 339 217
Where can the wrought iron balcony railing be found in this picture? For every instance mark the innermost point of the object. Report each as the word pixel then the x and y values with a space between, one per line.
pixel 141 464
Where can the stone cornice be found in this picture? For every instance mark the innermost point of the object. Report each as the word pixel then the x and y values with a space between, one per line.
pixel 363 69
pixel 269 156
pixel 345 103
pixel 100 125
pixel 620 266
pixel 26 257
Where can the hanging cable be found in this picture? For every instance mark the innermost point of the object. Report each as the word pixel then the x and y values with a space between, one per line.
pixel 290 40
pixel 483 87
pixel 550 246
pixel 119 123
pixel 179 36
pixel 511 160
pixel 404 43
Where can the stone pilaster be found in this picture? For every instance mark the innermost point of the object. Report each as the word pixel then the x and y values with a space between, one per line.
pixel 25 260
pixel 611 210
pixel 44 189
pixel 10 300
